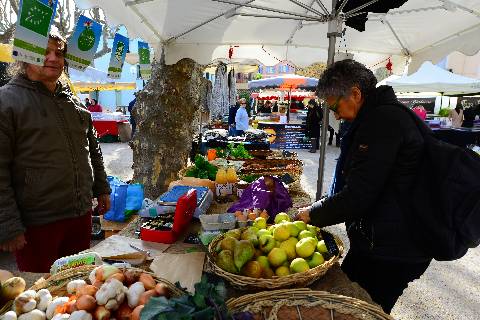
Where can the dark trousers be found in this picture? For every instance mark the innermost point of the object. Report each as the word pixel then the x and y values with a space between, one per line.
pixel 384 280
pixel 48 242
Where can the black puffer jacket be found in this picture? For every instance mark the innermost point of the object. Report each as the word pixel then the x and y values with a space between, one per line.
pixel 384 149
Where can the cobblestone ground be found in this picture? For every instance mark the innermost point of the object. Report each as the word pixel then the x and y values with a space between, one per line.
pixel 448 290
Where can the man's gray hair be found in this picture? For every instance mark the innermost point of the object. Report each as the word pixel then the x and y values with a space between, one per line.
pixel 342 76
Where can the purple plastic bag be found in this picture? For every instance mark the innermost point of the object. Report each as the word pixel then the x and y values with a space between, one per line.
pixel 257 195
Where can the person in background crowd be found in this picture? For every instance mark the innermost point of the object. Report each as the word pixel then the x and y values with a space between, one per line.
pixel 94 106
pixel 131 106
pixel 241 118
pixel 469 115
pixel 456 115
pixel 381 153
pixel 87 103
pixel 313 124
pixel 49 149
pixel 232 112
pixel 275 107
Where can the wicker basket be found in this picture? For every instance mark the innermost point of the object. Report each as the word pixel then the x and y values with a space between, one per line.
pixel 305 304
pixel 57 284
pixel 297 280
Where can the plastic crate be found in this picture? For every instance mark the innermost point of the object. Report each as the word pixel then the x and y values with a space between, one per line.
pixel 224 221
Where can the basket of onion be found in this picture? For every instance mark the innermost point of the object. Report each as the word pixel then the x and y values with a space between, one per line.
pixel 90 293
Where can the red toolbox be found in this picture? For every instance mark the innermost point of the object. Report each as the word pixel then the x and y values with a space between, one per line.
pixel 184 210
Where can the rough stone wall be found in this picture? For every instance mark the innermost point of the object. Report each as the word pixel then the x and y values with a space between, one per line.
pixel 165 112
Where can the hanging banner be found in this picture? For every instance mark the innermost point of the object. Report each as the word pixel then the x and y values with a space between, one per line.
pixel 119 51
pixel 31 33
pixel 84 43
pixel 144 60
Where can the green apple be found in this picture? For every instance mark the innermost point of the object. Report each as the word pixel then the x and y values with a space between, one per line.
pixel 253 229
pixel 277 257
pixel 294 231
pixel 260 223
pixel 305 247
pixel 289 247
pixel 313 229
pixel 316 260
pixel 263 232
pixel 277 244
pixel 321 247
pixel 263 260
pixel 305 234
pixel 299 265
pixel 282 216
pixel 281 232
pixel 266 243
pixel 300 225
pixel 282 271
pixel 271 228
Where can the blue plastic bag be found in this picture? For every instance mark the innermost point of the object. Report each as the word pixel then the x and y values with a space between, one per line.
pixel 134 197
pixel 125 200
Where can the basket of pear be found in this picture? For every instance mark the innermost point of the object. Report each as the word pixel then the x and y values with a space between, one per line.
pixel 285 254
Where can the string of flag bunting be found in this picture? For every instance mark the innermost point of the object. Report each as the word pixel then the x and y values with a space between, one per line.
pixel 33 25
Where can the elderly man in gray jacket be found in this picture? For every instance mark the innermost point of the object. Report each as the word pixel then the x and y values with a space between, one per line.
pixel 49 149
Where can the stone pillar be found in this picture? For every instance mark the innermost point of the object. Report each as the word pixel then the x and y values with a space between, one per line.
pixel 165 112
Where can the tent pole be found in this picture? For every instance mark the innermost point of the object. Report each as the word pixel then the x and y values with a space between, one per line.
pixel 332 38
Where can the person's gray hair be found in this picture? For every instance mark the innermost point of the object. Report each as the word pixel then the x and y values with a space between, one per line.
pixel 342 76
pixel 19 68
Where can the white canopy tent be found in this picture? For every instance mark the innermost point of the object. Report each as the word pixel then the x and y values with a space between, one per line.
pixel 430 78
pixel 204 30
pixel 389 78
pixel 300 32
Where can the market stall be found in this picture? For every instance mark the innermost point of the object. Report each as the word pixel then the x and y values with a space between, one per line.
pixel 227 248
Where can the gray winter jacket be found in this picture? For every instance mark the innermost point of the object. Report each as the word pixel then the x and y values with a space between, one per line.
pixel 48 150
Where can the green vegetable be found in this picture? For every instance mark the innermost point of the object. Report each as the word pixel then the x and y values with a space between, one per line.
pixel 249 177
pixel 238 152
pixel 207 303
pixel 202 169
pixel 444 112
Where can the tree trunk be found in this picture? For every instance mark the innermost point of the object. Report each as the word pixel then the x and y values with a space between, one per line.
pixel 165 112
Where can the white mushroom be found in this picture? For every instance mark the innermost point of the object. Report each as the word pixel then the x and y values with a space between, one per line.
pixel 54 304
pixel 73 285
pixel 33 315
pixel 111 294
pixel 25 302
pixel 43 299
pixel 80 315
pixel 61 316
pixel 10 315
pixel 133 294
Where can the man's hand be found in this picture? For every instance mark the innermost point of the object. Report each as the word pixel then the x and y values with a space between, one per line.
pixel 303 214
pixel 103 203
pixel 15 244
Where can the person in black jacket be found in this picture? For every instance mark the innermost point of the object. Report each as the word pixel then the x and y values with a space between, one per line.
pixel 380 155
pixel 313 124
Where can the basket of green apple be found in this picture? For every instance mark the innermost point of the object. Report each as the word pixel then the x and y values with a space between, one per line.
pixel 285 254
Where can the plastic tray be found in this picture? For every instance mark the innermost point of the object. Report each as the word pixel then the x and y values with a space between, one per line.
pixel 224 221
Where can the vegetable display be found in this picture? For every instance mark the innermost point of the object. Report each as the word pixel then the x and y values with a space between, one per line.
pixel 202 169
pixel 238 152
pixel 112 294
pixel 207 303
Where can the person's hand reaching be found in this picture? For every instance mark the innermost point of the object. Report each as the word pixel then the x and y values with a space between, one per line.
pixel 303 214
pixel 103 203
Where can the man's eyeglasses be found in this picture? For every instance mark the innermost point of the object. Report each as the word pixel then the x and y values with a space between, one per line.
pixel 334 107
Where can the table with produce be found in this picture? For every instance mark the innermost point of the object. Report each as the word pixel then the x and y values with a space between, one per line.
pixel 219 244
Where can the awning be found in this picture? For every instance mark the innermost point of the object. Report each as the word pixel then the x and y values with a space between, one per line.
pixel 84 87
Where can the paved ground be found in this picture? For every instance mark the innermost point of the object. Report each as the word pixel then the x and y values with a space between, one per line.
pixel 448 290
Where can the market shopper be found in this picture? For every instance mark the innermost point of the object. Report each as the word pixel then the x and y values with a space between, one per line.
pixel 241 118
pixel 456 115
pixel 313 124
pixel 380 155
pixel 94 106
pixel 49 149
pixel 131 106
pixel 232 112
